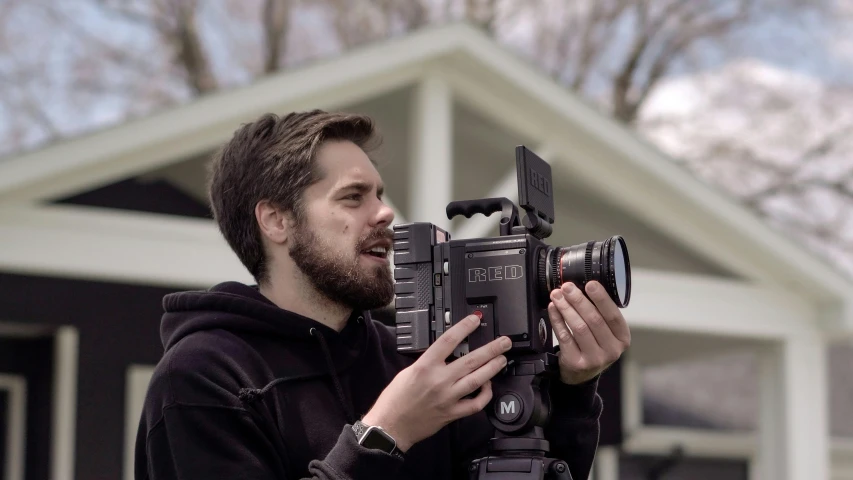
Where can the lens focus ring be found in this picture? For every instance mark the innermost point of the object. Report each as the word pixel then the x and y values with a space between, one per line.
pixel 554 257
pixel 587 264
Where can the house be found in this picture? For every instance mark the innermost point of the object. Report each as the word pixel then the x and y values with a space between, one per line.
pixel 96 229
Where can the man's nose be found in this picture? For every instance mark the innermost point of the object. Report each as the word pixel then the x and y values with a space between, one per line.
pixel 385 215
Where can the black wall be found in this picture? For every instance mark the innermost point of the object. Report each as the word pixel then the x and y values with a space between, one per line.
pixel 118 325
pixel 158 196
pixel 32 358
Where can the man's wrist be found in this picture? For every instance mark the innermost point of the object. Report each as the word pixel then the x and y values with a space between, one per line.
pixel 370 420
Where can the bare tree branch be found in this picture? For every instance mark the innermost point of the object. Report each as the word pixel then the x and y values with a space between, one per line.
pixel 190 51
pixel 125 11
pixel 693 24
pixel 595 34
pixel 790 182
pixel 481 13
pixel 107 51
pixel 176 23
pixel 805 230
pixel 276 19
pixel 411 14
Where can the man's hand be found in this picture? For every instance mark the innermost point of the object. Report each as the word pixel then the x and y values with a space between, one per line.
pixel 430 393
pixel 596 335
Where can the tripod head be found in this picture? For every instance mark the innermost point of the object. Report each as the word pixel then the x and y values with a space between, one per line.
pixel 521 411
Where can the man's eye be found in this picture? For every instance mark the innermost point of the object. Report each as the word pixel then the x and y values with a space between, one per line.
pixel 354 196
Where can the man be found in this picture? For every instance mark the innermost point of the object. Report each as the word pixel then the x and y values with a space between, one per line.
pixel 268 381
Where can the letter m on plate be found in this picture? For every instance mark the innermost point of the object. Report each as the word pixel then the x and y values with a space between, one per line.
pixel 507 407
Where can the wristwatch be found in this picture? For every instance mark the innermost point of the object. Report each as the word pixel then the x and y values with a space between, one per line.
pixel 376 438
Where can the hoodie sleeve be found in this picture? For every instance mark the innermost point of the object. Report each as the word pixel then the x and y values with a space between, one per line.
pixel 573 429
pixel 198 442
pixel 202 442
pixel 349 460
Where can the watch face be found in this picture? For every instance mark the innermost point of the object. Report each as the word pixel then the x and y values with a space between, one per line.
pixel 379 440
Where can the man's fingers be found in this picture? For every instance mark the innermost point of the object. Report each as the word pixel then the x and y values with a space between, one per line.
pixel 476 379
pixel 612 315
pixel 564 336
pixel 590 315
pixel 568 346
pixel 450 339
pixel 470 406
pixel 476 359
pixel 580 330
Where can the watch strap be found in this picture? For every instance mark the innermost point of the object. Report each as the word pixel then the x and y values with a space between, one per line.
pixel 360 429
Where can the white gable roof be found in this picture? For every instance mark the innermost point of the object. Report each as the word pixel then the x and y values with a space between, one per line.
pixel 610 157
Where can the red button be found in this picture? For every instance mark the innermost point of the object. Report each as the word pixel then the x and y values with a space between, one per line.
pixel 479 314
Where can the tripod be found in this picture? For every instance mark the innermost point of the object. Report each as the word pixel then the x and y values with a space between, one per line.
pixel 521 410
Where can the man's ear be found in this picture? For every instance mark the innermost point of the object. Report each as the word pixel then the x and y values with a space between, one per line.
pixel 274 223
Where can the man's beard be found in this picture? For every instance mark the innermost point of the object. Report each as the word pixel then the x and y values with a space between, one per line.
pixel 340 278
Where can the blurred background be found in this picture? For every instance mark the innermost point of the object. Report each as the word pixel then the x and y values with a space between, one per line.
pixel 715 135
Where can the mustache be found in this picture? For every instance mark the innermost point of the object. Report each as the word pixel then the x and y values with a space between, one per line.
pixel 385 234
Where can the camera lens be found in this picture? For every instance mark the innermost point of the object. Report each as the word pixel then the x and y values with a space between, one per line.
pixel 604 261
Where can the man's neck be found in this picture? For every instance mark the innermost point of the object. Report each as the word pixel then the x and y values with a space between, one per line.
pixel 297 295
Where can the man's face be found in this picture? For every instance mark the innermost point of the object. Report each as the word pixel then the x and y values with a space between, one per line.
pixel 343 244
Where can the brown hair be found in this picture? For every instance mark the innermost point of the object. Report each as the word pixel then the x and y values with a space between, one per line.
pixel 274 159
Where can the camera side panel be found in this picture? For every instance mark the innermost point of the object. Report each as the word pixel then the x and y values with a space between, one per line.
pixel 413 275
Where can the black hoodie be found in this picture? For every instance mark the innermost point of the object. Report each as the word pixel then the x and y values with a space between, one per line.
pixel 247 390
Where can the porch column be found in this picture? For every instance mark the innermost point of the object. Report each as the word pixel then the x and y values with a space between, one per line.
pixel 63 449
pixel 606 465
pixel 431 177
pixel 793 429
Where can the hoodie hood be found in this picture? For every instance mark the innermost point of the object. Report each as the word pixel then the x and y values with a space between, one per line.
pixel 307 345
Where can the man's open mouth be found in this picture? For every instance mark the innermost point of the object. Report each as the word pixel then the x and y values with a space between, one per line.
pixel 378 252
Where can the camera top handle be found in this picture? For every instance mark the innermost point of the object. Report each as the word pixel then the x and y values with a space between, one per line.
pixel 510 224
pixel 487 206
pixel 534 196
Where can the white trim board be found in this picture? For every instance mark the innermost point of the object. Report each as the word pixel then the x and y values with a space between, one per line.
pixel 105 244
pixel 699 443
pixel 137 379
pixel 132 247
pixel 705 305
pixel 157 249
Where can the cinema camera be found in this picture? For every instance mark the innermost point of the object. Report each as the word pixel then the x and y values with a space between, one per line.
pixel 506 281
